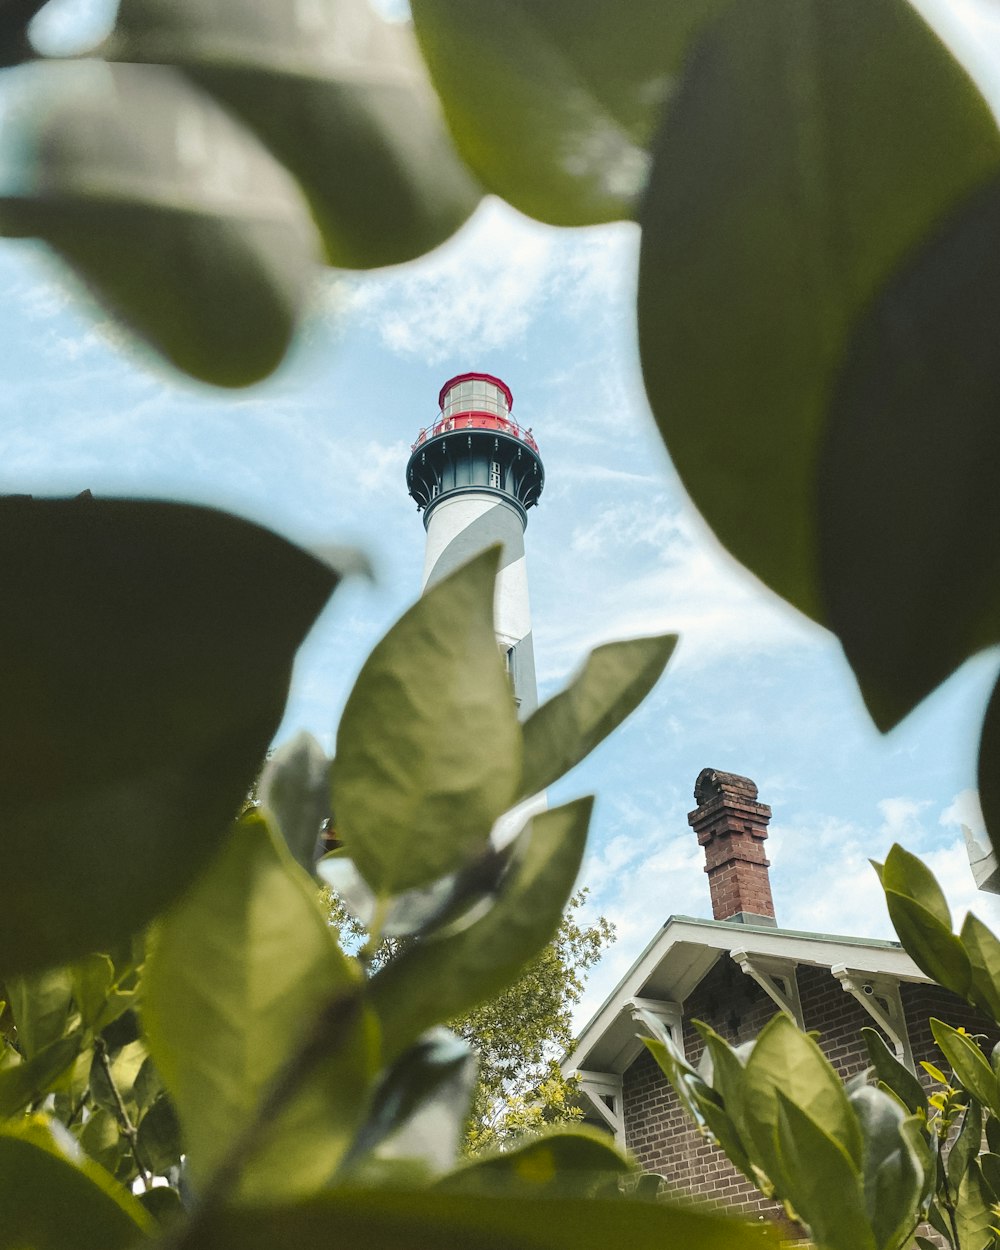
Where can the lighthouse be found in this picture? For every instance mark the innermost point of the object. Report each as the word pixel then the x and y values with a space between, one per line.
pixel 474 473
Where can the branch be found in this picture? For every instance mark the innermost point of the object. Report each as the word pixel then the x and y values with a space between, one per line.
pixel 124 1119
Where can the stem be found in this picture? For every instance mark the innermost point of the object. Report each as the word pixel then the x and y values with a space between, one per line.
pixel 949 1202
pixel 328 1033
pixel 128 1128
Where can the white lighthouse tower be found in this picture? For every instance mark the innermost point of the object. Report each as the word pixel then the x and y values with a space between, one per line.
pixel 475 473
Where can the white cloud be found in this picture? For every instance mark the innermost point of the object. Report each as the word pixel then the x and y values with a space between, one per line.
pixel 900 819
pixel 964 809
pixel 483 289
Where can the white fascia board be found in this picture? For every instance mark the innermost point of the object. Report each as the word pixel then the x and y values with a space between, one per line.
pixel 719 937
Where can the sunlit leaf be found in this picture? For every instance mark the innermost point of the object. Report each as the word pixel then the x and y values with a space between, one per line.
pixel 428 748
pixel 906 874
pixel 931 945
pixel 49 1203
pixel 466 965
pixel 613 681
pixel 40 1004
pixel 810 148
pixel 340 96
pixel 154 644
pixel 177 218
pixel 983 949
pixel 968 1063
pixel 560 1163
pixel 553 103
pixel 973 1215
pixel 239 971
pixel 788 1061
pixel 891 1171
pixel 821 1181
pixel 429 1220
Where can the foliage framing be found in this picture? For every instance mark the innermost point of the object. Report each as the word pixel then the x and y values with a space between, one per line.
pixel 697 119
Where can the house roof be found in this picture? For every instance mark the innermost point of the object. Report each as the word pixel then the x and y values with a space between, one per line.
pixel 682 953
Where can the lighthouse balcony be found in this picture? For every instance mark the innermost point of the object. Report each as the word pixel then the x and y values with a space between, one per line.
pixel 475 420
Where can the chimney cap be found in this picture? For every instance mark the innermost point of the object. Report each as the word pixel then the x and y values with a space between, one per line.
pixel 712 783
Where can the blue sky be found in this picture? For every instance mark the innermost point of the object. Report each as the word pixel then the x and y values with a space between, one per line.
pixel 614 549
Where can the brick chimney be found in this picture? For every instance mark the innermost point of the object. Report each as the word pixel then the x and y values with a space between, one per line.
pixel 731 825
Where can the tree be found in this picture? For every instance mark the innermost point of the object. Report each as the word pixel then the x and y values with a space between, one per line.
pixel 518 1036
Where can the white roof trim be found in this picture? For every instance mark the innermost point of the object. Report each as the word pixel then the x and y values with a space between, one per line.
pixel 684 950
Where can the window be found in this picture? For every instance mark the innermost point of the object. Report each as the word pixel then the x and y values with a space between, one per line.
pixel 495 474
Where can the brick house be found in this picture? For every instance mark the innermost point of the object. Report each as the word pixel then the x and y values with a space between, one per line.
pixel 734 972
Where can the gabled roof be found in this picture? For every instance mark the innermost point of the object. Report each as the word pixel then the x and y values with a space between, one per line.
pixel 685 950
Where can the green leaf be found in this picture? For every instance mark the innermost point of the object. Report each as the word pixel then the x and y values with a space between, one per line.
pixel 990 1164
pixel 906 874
pixel 125 1068
pixel 428 1220
pixel 892 1073
pixel 469 964
pixel 29 1082
pixel 421 1104
pixel 553 103
pixel 429 748
pixel 677 1072
pixel 722 1125
pixel 40 1005
pixel 729 1082
pixel 159 1143
pixel 983 949
pixel 177 218
pixel 340 96
pixel 912 591
pixel 612 683
pixel 966 1146
pixel 821 1181
pixel 49 1203
pixel 969 1064
pixel 295 788
pixel 973 1216
pixel 809 150
pixel 931 945
pixel 154 645
pixel 784 1060
pixel 892 1172
pixel 101 1138
pixel 560 1163
pixel 989 766
pixel 239 971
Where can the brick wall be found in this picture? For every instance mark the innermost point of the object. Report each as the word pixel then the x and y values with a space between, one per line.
pixel 661 1135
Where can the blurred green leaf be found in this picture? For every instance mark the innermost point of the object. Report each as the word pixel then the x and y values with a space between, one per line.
pixel 562 1163
pixel 428 748
pixel 31 1081
pixel 295 788
pixel 466 965
pixel 152 672
pixel 40 1004
pixel 162 1203
pixel 810 147
pixel 892 1173
pixel 988 770
pixel 125 1067
pixel 554 103
pixel 973 1217
pixel 432 1080
pixel 613 681
pixel 968 1063
pixel 983 950
pixel 159 1142
pixel 340 96
pixel 892 1073
pixel 240 969
pixel 931 945
pixel 177 218
pixel 788 1061
pixel 913 591
pixel 49 1203
pixel 990 1164
pixel 428 1220
pixel 821 1181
